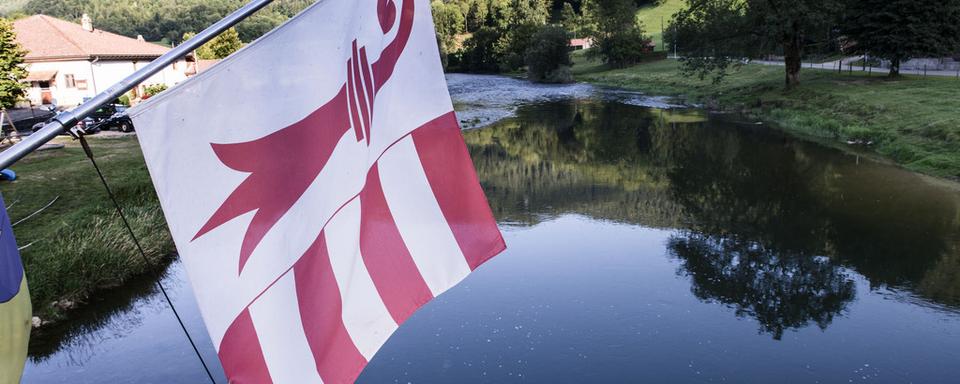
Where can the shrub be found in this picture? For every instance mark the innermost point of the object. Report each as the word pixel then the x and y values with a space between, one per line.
pixel 618 37
pixel 548 56
pixel 153 90
pixel 480 52
pixel 513 46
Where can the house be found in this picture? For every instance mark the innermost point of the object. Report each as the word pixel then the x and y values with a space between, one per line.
pixel 68 62
pixel 581 43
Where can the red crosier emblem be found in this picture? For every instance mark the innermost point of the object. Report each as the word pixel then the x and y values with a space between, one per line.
pixel 283 164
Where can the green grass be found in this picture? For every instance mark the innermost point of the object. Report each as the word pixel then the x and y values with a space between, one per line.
pixel 79 245
pixel 912 121
pixel 655 17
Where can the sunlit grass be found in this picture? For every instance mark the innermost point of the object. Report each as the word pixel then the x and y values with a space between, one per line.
pixel 655 18
pixel 79 244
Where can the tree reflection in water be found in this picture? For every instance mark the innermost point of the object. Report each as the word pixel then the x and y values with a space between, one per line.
pixel 764 223
pixel 781 291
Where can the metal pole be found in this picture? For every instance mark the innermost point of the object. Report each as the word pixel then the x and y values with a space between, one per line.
pixel 68 119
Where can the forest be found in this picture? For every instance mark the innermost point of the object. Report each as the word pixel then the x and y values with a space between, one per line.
pixel 167 20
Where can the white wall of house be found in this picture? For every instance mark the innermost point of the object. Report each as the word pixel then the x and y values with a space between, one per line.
pixel 92 77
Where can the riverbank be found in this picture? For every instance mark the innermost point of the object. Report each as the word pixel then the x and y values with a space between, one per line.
pixel 912 121
pixel 79 245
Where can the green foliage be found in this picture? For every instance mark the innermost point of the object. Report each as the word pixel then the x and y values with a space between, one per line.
pixel 166 20
pixel 513 22
pixel 11 71
pixel 480 52
pixel 712 35
pixel 449 22
pixel 79 244
pixel 571 20
pixel 220 47
pixel 898 30
pixel 618 37
pixel 153 89
pixel 548 56
pixel 655 17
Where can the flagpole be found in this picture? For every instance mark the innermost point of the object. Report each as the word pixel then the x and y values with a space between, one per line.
pixel 68 119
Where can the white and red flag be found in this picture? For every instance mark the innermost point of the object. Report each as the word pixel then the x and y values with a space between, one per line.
pixel 318 189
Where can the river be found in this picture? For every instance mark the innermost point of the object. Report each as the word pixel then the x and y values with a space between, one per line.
pixel 646 243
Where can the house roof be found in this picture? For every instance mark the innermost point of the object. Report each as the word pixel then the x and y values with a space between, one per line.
pixel 48 39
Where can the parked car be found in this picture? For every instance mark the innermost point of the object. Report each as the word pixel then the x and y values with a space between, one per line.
pixel 85 124
pixel 111 116
pixel 119 121
pixel 24 121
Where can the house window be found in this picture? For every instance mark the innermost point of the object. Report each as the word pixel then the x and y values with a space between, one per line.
pixel 69 81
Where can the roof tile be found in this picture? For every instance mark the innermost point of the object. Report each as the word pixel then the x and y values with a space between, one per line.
pixel 49 38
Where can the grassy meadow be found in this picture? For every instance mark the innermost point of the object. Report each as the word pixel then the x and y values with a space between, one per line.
pixel 79 244
pixel 657 17
pixel 912 121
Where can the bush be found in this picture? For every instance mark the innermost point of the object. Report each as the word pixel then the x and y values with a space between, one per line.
pixel 513 46
pixel 548 56
pixel 618 38
pixel 480 54
pixel 153 90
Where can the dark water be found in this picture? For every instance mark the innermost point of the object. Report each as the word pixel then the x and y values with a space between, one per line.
pixel 645 245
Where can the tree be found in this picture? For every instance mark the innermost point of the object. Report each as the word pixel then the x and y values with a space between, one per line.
pixel 548 56
pixel 479 51
pixel 11 70
pixel 617 36
pixel 898 30
pixel 712 35
pixel 219 47
pixel 449 22
pixel 476 15
pixel 570 20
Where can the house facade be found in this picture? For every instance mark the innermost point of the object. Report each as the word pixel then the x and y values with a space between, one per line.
pixel 68 62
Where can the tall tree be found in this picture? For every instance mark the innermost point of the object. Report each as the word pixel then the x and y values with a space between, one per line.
pixel 571 20
pixel 617 35
pixel 11 69
pixel 219 47
pixel 712 35
pixel 898 30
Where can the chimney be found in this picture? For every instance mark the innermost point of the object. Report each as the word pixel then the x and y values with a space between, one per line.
pixel 140 38
pixel 86 22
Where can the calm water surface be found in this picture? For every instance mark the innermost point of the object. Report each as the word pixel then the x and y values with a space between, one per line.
pixel 644 245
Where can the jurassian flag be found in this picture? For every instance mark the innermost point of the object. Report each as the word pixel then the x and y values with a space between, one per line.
pixel 15 309
pixel 318 189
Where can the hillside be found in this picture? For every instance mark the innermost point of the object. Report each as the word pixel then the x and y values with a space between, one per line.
pixel 9 6
pixel 651 17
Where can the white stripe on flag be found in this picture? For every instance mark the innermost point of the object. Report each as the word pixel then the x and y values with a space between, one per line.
pixel 418 216
pixel 276 317
pixel 365 316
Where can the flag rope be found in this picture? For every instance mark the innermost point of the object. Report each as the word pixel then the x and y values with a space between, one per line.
pixel 133 236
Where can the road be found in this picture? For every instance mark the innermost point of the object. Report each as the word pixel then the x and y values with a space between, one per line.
pixel 832 65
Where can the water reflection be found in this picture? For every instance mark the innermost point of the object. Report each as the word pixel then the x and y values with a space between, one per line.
pixel 781 291
pixel 765 224
pixel 645 245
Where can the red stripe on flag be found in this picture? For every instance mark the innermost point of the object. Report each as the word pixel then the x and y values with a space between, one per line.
pixel 351 92
pixel 388 261
pixel 240 352
pixel 337 358
pixel 453 179
pixel 361 94
pixel 368 82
